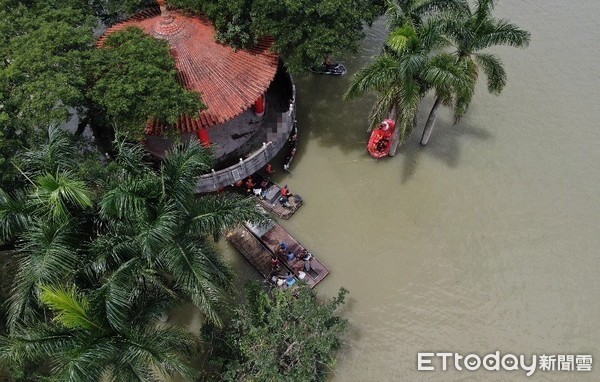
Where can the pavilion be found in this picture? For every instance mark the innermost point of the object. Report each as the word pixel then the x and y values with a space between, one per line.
pixel 250 98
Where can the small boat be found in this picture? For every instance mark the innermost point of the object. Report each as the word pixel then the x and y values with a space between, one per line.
pixel 270 195
pixel 380 142
pixel 272 200
pixel 292 146
pixel 272 234
pixel 332 69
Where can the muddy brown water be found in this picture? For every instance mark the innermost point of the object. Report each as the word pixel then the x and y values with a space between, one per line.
pixel 487 239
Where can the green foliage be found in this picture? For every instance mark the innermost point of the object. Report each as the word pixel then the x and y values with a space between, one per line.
pixel 282 336
pixel 80 344
pixel 134 80
pixel 112 11
pixel 408 68
pixel 105 265
pixel 72 310
pixel 305 31
pixel 41 74
pixel 413 62
pixel 42 54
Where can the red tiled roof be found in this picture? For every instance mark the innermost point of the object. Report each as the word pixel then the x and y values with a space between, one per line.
pixel 229 81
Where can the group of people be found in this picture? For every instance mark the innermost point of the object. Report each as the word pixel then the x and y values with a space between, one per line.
pixel 299 263
pixel 382 144
pixel 257 184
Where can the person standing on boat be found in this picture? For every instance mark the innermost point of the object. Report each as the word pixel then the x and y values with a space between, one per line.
pixel 275 263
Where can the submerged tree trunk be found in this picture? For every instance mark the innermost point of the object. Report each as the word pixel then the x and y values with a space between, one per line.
pixel 431 121
pixel 396 137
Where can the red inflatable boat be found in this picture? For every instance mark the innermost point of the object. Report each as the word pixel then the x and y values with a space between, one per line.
pixel 380 142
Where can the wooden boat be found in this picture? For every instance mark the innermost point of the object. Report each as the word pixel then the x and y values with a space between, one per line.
pixel 270 196
pixel 272 234
pixel 271 201
pixel 380 142
pixel 256 253
pixel 292 146
pixel 334 69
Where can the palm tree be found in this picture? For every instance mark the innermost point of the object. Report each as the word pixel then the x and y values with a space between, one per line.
pixel 81 345
pixel 471 32
pixel 405 71
pixel 149 233
pixel 43 221
pixel 154 235
pixel 415 12
pixel 108 263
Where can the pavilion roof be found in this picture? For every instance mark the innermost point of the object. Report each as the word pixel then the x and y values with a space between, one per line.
pixel 229 80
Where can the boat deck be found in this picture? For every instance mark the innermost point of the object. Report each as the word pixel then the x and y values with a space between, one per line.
pixel 254 251
pixel 271 202
pixel 274 234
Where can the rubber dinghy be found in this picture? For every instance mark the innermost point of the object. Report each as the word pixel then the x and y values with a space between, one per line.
pixel 380 142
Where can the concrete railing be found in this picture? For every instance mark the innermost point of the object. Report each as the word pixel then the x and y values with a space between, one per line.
pixel 278 133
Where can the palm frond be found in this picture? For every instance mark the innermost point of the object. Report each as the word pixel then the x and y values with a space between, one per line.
pixel 59 154
pixel 213 214
pixel 60 194
pixel 130 157
pixel 202 276
pixel 49 256
pixel 483 9
pixel 494 71
pixel 130 198
pixel 160 348
pixel 181 168
pixel 33 344
pixel 159 229
pixel 117 293
pixel 71 307
pixel 378 76
pixel 14 215
pixel 401 39
pixel 445 72
pixel 498 33
pixel 437 7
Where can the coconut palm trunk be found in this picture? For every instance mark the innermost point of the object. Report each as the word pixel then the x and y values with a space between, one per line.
pixel 393 115
pixel 431 121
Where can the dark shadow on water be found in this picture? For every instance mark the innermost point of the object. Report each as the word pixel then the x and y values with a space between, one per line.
pixel 330 120
pixel 445 144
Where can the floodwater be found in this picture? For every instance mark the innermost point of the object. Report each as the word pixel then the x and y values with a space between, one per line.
pixel 485 240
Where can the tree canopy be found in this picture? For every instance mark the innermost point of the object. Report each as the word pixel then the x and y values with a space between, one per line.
pixel 139 241
pixel 286 335
pixel 133 79
pixel 415 60
pixel 304 31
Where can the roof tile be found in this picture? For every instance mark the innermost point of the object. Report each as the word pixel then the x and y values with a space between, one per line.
pixel 228 80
